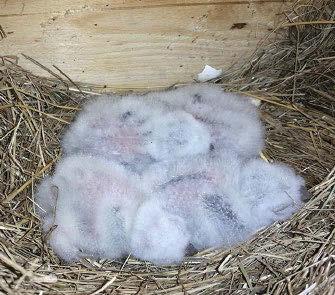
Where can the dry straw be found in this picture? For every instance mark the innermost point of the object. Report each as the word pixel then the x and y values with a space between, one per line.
pixel 293 76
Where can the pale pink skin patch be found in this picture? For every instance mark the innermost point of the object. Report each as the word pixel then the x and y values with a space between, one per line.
pixel 111 190
pixel 127 141
pixel 118 137
pixel 188 192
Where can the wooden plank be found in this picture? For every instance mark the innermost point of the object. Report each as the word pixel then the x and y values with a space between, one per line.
pixel 134 44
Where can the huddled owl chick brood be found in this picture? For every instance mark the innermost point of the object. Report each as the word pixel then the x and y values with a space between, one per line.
pixel 156 175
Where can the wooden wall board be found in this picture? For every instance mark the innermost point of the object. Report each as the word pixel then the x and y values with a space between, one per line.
pixel 134 44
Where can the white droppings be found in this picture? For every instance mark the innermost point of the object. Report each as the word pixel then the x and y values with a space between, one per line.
pixel 208 73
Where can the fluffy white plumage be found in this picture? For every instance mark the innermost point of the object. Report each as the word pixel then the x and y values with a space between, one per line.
pixel 157 235
pixel 135 131
pixel 199 189
pixel 111 127
pixel 274 192
pixel 175 135
pixel 224 199
pixel 158 174
pixel 91 203
pixel 232 119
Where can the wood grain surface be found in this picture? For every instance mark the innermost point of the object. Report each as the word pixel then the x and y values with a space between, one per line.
pixel 134 44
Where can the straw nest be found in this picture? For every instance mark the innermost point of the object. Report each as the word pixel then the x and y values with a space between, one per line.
pixel 294 78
